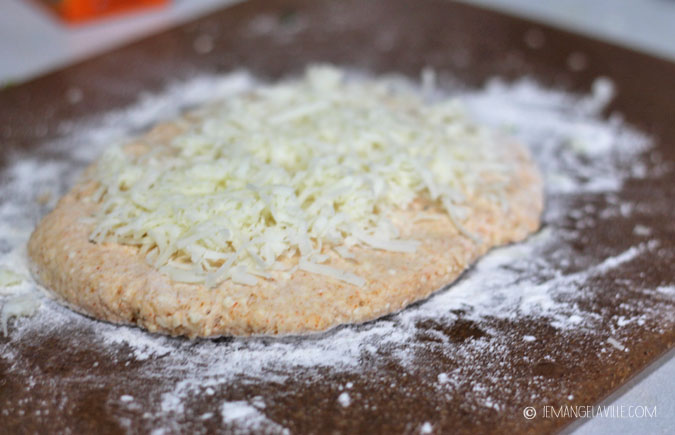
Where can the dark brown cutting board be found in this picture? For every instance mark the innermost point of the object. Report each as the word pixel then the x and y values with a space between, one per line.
pixel 61 388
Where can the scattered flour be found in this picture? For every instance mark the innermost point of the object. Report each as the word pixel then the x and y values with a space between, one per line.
pixel 233 411
pixel 143 348
pixel 344 400
pixel 642 230
pixel 666 289
pixel 241 415
pixel 578 152
pixel 624 257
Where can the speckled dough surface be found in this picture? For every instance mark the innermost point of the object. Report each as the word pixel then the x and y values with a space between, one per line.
pixel 112 282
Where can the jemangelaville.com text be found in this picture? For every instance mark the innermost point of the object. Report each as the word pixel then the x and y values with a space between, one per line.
pixel 610 411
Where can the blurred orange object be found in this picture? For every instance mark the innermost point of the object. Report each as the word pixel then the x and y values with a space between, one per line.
pixel 75 11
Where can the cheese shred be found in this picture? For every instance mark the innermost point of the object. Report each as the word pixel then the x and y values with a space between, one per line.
pixel 289 173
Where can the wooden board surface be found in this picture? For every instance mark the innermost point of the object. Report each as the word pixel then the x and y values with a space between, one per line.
pixel 63 379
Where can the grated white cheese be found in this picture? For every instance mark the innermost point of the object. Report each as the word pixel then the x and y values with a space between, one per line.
pixel 298 168
pixel 616 344
pixel 331 272
pixel 9 278
pixel 17 306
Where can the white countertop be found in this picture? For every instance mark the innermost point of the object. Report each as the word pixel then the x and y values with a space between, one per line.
pixel 33 42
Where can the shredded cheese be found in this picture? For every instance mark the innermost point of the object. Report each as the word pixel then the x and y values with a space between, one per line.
pixel 17 306
pixel 288 172
pixel 9 278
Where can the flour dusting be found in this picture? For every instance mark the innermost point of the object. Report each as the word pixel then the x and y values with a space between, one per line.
pixel 546 278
